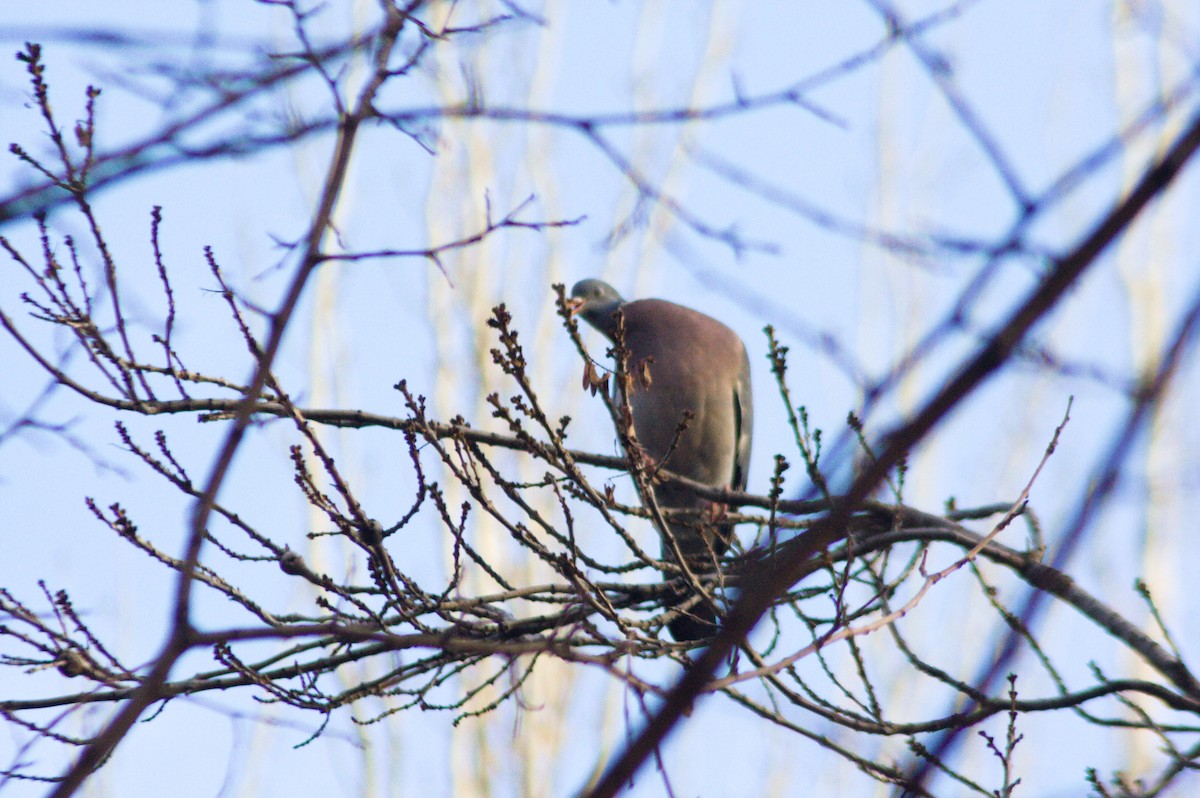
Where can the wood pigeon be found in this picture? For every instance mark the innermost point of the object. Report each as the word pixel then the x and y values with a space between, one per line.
pixel 683 361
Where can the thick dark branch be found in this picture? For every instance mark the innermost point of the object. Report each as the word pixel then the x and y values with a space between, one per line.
pixel 755 602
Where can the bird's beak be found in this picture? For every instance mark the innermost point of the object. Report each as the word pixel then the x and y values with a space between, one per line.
pixel 574 305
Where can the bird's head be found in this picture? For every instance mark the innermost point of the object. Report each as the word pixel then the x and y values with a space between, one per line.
pixel 596 301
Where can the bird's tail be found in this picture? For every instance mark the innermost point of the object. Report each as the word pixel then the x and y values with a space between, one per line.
pixel 696 620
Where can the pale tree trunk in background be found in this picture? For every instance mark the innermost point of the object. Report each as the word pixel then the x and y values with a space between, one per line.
pixel 883 288
pixel 329 364
pixel 897 293
pixel 544 734
pixel 1146 65
pixel 488 752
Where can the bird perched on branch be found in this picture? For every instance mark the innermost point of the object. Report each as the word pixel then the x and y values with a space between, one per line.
pixel 687 369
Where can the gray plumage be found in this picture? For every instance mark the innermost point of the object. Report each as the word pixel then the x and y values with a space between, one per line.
pixel 695 363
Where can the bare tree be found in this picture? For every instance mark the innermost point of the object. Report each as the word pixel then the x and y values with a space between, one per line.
pixel 922 651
